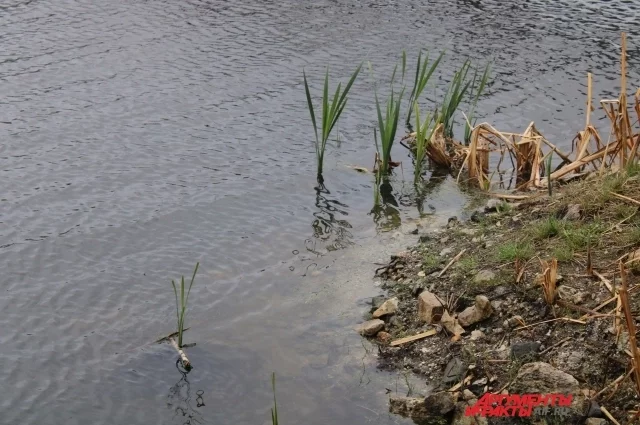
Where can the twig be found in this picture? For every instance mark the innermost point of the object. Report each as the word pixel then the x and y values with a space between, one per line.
pixel 626 198
pixel 615 382
pixel 453 260
pixel 546 350
pixel 401 341
pixel 604 280
pixel 608 415
pixel 166 338
pixel 183 356
pixel 566 319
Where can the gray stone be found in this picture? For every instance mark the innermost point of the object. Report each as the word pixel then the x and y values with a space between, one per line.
pixel 446 251
pixel 594 410
pixel 484 276
pixel 573 212
pixel 377 302
pixel 453 371
pixel 468 395
pixel 571 361
pixel 390 306
pixel 542 378
pixel 492 205
pixel 370 328
pixel 525 350
pixel 439 403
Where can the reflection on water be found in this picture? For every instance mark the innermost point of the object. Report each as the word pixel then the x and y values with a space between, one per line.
pixel 386 212
pixel 179 400
pixel 426 187
pixel 328 226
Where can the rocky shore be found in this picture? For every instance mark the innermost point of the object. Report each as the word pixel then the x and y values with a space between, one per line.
pixel 465 309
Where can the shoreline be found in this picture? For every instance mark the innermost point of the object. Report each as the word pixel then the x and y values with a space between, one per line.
pixel 490 329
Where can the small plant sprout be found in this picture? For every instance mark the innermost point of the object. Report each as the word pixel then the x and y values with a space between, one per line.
pixel 331 111
pixel 424 131
pixel 181 302
pixel 423 74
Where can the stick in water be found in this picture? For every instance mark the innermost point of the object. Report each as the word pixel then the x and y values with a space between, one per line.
pixel 183 356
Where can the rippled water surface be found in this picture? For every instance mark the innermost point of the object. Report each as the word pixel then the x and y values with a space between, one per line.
pixel 140 136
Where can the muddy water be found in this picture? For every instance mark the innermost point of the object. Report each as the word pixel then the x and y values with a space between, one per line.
pixel 138 137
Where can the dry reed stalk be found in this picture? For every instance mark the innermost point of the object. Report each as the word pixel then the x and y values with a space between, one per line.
pixel 183 356
pixel 549 276
pixel 453 260
pixel 631 325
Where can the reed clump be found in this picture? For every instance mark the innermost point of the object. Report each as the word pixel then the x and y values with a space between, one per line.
pixel 331 111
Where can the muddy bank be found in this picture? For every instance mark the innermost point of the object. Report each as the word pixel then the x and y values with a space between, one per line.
pixel 471 296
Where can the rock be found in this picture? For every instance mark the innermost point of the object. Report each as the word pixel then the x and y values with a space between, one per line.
pixel 513 322
pixel 579 297
pixel 468 395
pixel 480 382
pixel 390 306
pixel 594 410
pixel 480 311
pixel 565 292
pixel 430 307
pixel 571 361
pixel 525 350
pixel 459 417
pixel 542 378
pixel 477 216
pixel 384 337
pixel 452 222
pixel 476 335
pixel 596 421
pixel 446 251
pixel 484 276
pixel 409 407
pixel 454 370
pixel 492 205
pixel 573 212
pixel 370 328
pixel 395 322
pixel 376 302
pixel 451 324
pixel 439 403
pixel 421 274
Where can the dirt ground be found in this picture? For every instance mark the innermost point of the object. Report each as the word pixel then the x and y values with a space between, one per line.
pixel 503 245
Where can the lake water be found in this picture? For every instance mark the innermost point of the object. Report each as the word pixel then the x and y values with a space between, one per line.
pixel 140 137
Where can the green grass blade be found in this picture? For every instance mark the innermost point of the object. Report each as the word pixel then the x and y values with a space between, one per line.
pixel 310 105
pixel 404 63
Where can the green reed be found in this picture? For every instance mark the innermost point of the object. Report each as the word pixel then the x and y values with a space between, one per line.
pixel 423 74
pixel 388 125
pixel 181 303
pixel 424 131
pixel 274 410
pixel 453 98
pixel 331 111
pixel 482 83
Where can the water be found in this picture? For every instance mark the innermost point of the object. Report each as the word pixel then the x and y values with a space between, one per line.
pixel 141 137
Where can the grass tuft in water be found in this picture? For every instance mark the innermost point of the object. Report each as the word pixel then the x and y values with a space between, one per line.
pixel 423 75
pixel 424 130
pixel 387 125
pixel 482 83
pixel 182 301
pixel 453 98
pixel 331 111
